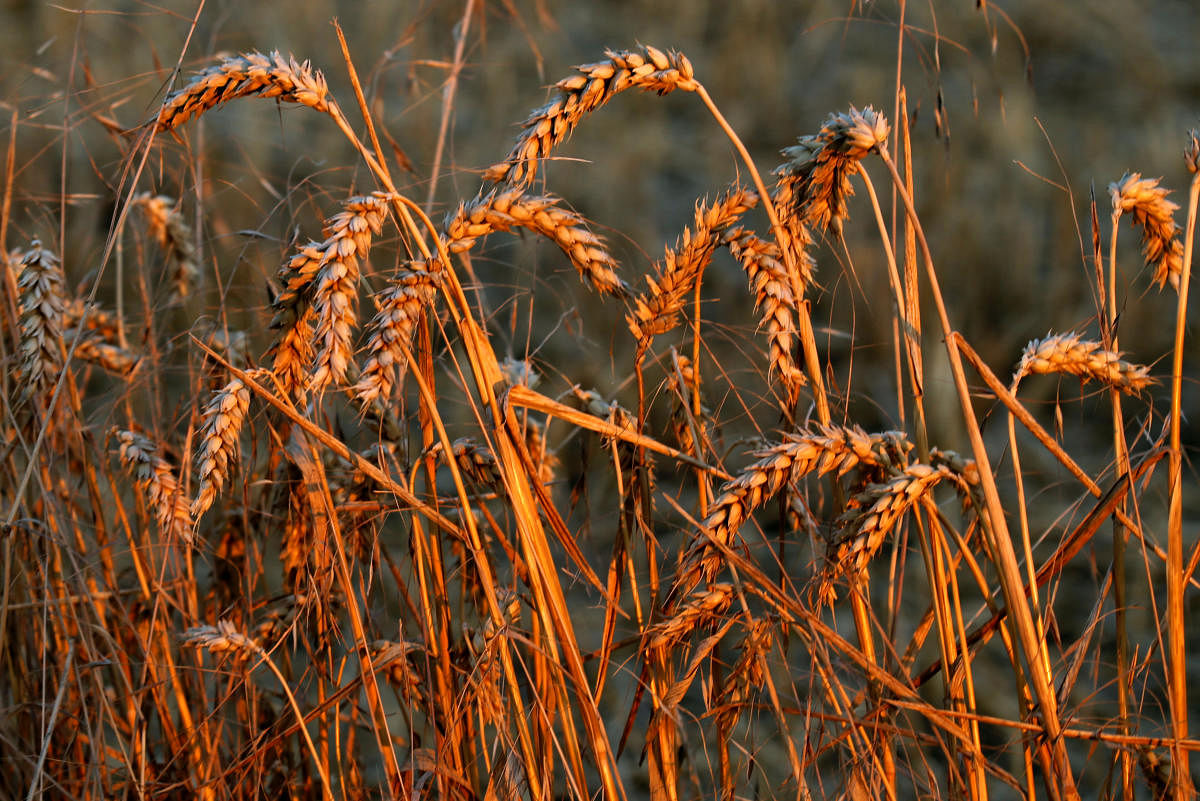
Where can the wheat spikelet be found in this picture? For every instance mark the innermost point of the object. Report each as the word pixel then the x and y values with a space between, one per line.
pixel 814 184
pixel 505 209
pixel 1146 203
pixel 774 300
pixel 656 311
pixel 155 476
pixel 219 449
pixel 829 449
pixel 175 238
pixel 42 305
pixel 650 70
pixel 746 676
pixel 399 307
pixel 1070 353
pixel 223 638
pixel 697 609
pixel 241 76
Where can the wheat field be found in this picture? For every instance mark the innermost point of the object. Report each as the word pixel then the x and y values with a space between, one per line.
pixel 527 400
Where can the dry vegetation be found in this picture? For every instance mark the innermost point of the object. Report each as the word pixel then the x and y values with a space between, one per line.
pixel 377 531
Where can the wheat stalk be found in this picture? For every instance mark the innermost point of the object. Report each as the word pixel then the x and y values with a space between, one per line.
pixel 1146 203
pixel 252 73
pixel 155 476
pixel 649 69
pixel 656 310
pixel 167 226
pixel 1070 353
pixel 813 185
pixel 506 209
pixel 223 419
pixel 42 305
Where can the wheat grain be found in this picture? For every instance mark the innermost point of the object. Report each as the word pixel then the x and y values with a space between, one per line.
pixel 399 307
pixel 505 209
pixel 650 70
pixel 155 476
pixel 219 449
pixel 774 300
pixel 656 310
pixel 176 240
pixel 241 76
pixel 1070 353
pixel 42 304
pixel 1146 203
pixel 814 184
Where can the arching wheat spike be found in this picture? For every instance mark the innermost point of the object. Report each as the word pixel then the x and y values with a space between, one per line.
pixel 42 311
pixel 1146 203
pixel 223 638
pixel 155 476
pixel 399 307
pixel 1071 354
pixel 694 611
pixel 656 310
pixel 814 183
pixel 829 449
pixel 241 76
pixel 649 69
pixel 773 299
pixel 174 236
pixel 219 446
pixel 506 209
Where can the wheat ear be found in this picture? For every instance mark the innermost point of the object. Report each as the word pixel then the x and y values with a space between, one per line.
pixel 656 310
pixel 270 75
pixel 1070 353
pixel 219 449
pixel 1146 203
pixel 174 237
pixel 155 476
pixel 649 69
pixel 42 312
pixel 813 185
pixel 398 309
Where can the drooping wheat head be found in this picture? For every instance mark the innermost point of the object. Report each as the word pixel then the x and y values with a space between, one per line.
pixel 650 70
pixel 656 310
pixel 814 184
pixel 505 209
pixel 174 237
pixel 219 441
pixel 42 304
pixel 692 612
pixel 774 299
pixel 155 476
pixel 1070 353
pixel 270 75
pixel 746 677
pixel 1146 203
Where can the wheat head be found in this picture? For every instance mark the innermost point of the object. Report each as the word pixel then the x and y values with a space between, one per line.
pixel 1072 354
pixel 155 476
pixel 174 237
pixel 1146 203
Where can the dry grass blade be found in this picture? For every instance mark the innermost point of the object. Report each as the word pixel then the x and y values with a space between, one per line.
pixel 656 310
pixel 173 235
pixel 814 184
pixel 399 307
pixel 249 74
pixel 42 305
pixel 1070 353
pixel 1146 203
pixel 649 69
pixel 155 476
pixel 219 448
pixel 506 209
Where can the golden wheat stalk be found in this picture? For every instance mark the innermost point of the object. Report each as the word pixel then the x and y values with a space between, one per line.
pixel 42 305
pixel 649 69
pixel 814 184
pixel 175 238
pixel 249 74
pixel 828 449
pixel 219 448
pixel 656 310
pixel 773 299
pixel 155 476
pixel 506 209
pixel 1070 353
pixel 1146 203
